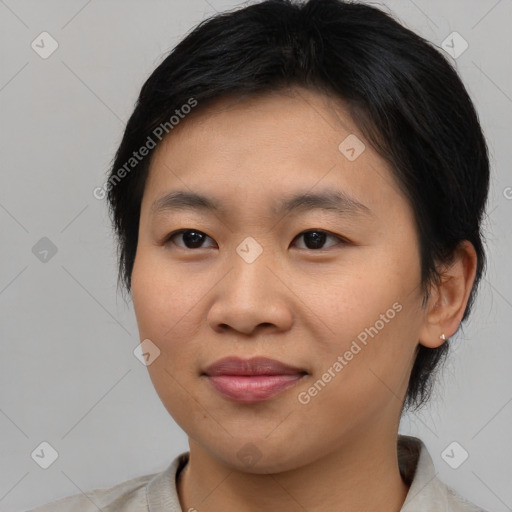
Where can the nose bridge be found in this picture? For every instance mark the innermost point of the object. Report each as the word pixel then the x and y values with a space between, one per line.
pixel 250 295
pixel 251 250
pixel 250 263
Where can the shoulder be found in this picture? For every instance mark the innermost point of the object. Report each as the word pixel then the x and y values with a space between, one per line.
pixel 155 491
pixel 427 493
pixel 458 503
pixel 436 496
pixel 127 496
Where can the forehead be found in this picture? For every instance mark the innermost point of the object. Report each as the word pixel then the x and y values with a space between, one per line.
pixel 266 146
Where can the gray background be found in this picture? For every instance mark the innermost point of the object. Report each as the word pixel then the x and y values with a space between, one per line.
pixel 68 375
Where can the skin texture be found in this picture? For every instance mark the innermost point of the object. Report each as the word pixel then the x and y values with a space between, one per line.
pixel 295 303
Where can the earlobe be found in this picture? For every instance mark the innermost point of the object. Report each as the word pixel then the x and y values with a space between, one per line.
pixel 449 297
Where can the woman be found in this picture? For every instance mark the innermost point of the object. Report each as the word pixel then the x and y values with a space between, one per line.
pixel 298 200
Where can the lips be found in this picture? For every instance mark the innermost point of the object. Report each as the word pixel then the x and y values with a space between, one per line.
pixel 253 366
pixel 252 380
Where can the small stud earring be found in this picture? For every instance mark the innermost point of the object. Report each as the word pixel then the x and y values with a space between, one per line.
pixel 443 337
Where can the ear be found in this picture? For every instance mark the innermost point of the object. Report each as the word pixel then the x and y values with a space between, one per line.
pixel 449 298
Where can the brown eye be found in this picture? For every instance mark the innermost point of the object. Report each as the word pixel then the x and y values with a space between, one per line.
pixel 314 239
pixel 191 238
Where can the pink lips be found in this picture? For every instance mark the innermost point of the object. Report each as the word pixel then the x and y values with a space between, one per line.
pixel 251 380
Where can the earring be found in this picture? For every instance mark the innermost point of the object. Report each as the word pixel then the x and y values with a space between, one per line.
pixel 443 337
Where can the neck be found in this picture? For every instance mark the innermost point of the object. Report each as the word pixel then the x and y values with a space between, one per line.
pixel 360 475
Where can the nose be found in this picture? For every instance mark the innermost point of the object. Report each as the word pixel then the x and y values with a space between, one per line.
pixel 251 297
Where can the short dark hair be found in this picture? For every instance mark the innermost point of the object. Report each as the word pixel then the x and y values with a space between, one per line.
pixel 403 94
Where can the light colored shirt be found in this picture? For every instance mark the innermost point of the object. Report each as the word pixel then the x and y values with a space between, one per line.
pixel 157 492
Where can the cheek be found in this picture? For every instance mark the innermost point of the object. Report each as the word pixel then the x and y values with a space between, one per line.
pixel 161 304
pixel 167 304
pixel 163 297
pixel 373 319
pixel 350 299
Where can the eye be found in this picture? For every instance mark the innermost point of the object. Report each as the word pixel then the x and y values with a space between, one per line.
pixel 315 238
pixel 192 238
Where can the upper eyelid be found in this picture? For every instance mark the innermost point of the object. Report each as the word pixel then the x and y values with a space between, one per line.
pixel 341 238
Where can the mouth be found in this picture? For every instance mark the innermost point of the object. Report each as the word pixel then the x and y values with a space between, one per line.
pixel 252 380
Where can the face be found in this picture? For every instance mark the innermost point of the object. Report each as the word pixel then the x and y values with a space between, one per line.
pixel 330 289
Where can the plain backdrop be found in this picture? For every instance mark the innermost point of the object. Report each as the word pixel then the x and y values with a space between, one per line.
pixel 68 375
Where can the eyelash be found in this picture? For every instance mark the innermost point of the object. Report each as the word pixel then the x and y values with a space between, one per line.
pixel 168 238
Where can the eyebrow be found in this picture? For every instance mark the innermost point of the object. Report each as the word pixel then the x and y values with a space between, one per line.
pixel 338 201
